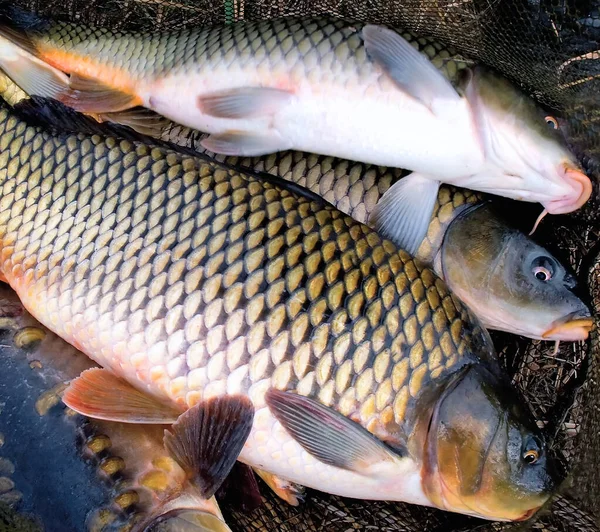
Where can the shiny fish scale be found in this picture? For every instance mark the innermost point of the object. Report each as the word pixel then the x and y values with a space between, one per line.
pixel 198 280
pixel 352 187
pixel 296 45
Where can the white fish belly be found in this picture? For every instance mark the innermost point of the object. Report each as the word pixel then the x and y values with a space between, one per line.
pixel 271 448
pixel 372 122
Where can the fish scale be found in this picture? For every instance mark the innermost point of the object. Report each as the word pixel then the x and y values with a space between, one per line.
pixel 192 280
pixel 290 46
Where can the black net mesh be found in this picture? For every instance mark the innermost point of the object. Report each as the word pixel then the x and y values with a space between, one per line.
pixel 552 49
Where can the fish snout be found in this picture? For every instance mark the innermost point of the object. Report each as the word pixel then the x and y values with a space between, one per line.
pixel 581 187
pixel 574 327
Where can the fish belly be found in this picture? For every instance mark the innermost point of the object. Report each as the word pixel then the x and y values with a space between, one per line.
pixel 366 119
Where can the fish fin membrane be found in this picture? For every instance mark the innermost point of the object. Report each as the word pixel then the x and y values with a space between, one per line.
pixel 410 70
pixel 242 144
pixel 244 102
pixel 31 74
pixel 240 490
pixel 92 96
pixel 100 394
pixel 139 119
pixel 207 439
pixel 18 19
pixel 326 434
pixel 291 493
pixel 404 212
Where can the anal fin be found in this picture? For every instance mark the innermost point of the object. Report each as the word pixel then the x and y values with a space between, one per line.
pixel 403 213
pixel 291 493
pixel 207 439
pixel 244 102
pixel 326 434
pixel 140 119
pixel 243 144
pixel 100 394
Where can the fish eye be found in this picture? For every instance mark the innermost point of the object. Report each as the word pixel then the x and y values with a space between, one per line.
pixel 552 122
pixel 531 456
pixel 532 450
pixel 542 269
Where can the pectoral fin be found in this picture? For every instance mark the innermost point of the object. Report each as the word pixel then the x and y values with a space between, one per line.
pixel 207 439
pixel 407 67
pixel 403 213
pixel 244 102
pixel 243 144
pixel 288 491
pixel 329 436
pixel 99 393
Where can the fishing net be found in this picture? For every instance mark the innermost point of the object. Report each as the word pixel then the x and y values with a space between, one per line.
pixel 551 48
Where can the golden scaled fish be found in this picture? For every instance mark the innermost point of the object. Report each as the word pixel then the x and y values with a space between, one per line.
pixel 320 85
pixel 263 324
pixel 527 291
pixel 510 282
pixel 143 488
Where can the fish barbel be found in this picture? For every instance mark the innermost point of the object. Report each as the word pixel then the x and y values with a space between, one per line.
pixel 320 85
pixel 264 324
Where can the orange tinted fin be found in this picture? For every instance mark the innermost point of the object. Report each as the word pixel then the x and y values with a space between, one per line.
pixel 140 119
pixel 244 102
pixel 291 493
pixel 326 434
pixel 207 439
pixel 31 74
pixel 99 393
pixel 92 96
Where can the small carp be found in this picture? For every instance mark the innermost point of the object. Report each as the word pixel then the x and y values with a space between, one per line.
pixel 320 85
pixel 263 325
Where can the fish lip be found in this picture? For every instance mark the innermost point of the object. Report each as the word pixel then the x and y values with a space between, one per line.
pixel 528 514
pixel 579 181
pixel 572 327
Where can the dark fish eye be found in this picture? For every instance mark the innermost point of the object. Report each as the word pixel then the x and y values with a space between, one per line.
pixel 533 450
pixel 542 269
pixel 531 456
pixel 552 122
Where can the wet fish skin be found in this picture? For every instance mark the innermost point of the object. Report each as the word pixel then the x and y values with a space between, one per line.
pixel 193 281
pixel 504 296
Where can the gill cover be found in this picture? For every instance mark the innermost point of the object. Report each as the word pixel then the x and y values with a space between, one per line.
pixel 511 283
pixel 483 455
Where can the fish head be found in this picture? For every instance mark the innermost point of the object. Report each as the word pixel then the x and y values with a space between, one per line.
pixel 511 283
pixel 522 141
pixel 483 454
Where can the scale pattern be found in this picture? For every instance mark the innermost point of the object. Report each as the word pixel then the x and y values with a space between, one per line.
pixel 291 45
pixel 198 280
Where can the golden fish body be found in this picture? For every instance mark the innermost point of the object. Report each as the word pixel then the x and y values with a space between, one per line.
pixel 192 281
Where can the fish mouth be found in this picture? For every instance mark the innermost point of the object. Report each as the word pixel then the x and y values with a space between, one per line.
pixel 528 514
pixel 572 328
pixel 582 190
